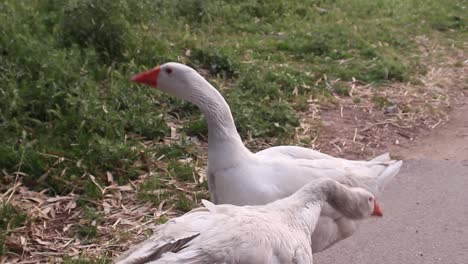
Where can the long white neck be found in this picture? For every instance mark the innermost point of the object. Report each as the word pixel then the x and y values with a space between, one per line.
pixel 306 203
pixel 225 146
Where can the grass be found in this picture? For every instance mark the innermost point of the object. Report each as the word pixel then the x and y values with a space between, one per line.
pixel 88 261
pixel 10 218
pixel 88 227
pixel 175 183
pixel 68 111
pixel 157 191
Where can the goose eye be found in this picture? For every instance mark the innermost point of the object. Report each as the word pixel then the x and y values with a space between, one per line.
pixel 370 199
pixel 168 70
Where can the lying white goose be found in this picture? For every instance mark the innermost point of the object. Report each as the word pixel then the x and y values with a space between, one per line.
pixel 279 232
pixel 240 177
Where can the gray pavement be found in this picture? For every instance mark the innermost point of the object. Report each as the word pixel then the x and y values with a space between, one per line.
pixel 425 220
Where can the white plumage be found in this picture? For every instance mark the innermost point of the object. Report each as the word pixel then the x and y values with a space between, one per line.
pixel 279 232
pixel 238 176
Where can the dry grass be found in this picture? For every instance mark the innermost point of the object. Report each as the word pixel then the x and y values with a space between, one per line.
pixel 67 228
pixel 50 234
pixel 373 120
pixel 60 227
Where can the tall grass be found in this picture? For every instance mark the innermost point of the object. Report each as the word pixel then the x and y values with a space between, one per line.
pixel 68 110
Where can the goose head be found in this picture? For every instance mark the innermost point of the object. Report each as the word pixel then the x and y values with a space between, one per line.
pixel 173 78
pixel 361 204
pixel 340 199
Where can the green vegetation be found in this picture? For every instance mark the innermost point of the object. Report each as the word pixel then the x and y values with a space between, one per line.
pixel 88 261
pixel 87 228
pixel 10 218
pixel 67 109
pixel 170 179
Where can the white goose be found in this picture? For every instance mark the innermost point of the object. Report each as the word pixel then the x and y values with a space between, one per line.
pixel 279 232
pixel 238 176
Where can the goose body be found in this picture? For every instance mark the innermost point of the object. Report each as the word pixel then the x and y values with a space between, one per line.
pixel 279 232
pixel 239 177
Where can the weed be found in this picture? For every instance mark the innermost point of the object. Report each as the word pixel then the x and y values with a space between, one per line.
pixel 2 244
pixel 201 194
pixel 91 214
pixel 67 109
pixel 341 89
pixel 10 218
pixel 154 190
pixel 203 185
pixel 181 149
pixel 86 260
pixel 458 63
pixel 183 203
pixel 194 11
pixel 161 220
pixel 182 172
pixel 91 219
pixel 264 119
pixel 197 127
pixel 99 24
pixel 380 101
pixel 217 61
pixel 87 231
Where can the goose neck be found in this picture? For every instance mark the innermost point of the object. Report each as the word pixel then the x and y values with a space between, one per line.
pixel 223 138
pixel 306 204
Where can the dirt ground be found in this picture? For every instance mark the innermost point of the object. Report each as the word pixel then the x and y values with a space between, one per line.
pixel 425 207
pixel 449 142
pixel 426 118
pixel 406 119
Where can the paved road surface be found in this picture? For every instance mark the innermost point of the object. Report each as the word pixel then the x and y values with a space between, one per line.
pixel 425 220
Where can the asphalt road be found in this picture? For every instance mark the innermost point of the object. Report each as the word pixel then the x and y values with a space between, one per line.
pixel 425 220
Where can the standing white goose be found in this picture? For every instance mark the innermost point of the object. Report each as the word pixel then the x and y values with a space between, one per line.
pixel 238 176
pixel 279 232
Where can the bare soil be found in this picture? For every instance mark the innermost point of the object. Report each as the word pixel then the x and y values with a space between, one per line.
pixel 448 142
pixel 426 117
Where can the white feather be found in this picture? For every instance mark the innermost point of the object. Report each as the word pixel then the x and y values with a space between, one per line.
pixel 279 232
pixel 238 176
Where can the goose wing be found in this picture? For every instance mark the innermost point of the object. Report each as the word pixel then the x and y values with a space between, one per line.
pixel 169 237
pixel 382 168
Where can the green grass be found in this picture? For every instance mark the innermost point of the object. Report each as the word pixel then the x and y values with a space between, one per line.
pixel 168 185
pixel 10 218
pixel 154 191
pixel 86 228
pixel 88 261
pixel 67 109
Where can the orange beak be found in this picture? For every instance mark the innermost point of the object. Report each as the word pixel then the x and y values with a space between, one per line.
pixel 148 77
pixel 377 211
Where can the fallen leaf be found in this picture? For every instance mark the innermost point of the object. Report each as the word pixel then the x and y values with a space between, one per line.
pixel 125 188
pixel 110 178
pixel 58 198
